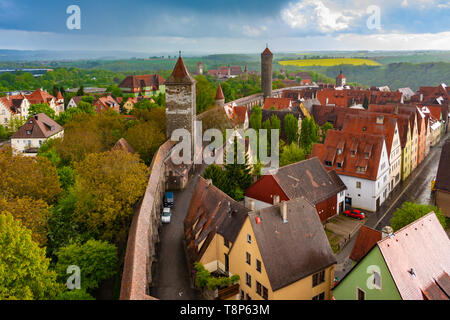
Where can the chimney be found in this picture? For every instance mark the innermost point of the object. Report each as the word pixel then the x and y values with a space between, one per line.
pixel 208 182
pixel 276 199
pixel 387 231
pixel 283 209
pixel 251 204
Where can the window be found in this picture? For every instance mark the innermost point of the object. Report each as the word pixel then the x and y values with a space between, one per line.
pixel 265 293
pixel 377 280
pixel 318 278
pixel 249 238
pixel 358 185
pixel 319 296
pixel 258 265
pixel 248 258
pixel 242 295
pixel 328 163
pixel 258 288
pixel 248 280
pixel 361 295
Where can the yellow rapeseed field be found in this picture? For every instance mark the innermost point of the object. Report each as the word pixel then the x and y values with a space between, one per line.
pixel 329 62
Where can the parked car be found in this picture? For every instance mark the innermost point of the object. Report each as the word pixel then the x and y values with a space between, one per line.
pixel 357 214
pixel 168 199
pixel 166 215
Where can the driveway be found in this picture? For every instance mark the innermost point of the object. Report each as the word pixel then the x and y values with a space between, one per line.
pixel 171 278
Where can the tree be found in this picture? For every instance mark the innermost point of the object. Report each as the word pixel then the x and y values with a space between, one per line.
pixel 410 212
pixel 107 186
pixel 205 94
pixel 80 91
pixel 86 106
pixel 27 177
pixel 25 269
pixel 291 128
pixel 31 213
pixel 291 154
pixel 324 129
pixel 217 175
pixel 145 104
pixel 366 103
pixel 41 108
pixel 145 138
pixel 256 118
pixel 115 91
pixel 77 294
pixel 308 134
pixel 97 260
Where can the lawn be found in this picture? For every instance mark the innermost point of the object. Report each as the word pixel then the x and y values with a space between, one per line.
pixel 329 62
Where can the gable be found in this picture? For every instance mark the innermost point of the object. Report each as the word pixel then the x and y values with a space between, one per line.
pixel 360 277
pixel 264 189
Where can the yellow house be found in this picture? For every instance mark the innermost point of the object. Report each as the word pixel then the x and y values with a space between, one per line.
pixel 129 104
pixel 282 253
pixel 276 258
pixel 404 128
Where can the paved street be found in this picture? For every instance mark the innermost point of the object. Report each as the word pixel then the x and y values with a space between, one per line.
pixel 171 279
pixel 415 189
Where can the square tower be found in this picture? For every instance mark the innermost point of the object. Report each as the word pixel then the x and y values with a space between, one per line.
pixel 180 100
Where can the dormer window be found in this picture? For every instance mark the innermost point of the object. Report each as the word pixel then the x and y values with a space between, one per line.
pixel 28 132
pixel 340 164
pixel 328 163
pixel 361 169
pixel 366 155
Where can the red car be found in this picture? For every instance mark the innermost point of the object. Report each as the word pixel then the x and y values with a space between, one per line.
pixel 355 214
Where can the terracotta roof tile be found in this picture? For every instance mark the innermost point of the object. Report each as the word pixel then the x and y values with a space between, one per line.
pixel 366 240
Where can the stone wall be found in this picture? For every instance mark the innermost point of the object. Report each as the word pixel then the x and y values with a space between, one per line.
pixel 143 235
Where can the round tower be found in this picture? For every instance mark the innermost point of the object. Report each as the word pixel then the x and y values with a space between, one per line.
pixel 266 73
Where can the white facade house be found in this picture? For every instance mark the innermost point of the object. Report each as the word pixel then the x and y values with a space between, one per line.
pixel 13 107
pixel 368 194
pixel 37 130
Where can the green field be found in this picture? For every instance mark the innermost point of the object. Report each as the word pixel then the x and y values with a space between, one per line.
pixel 329 62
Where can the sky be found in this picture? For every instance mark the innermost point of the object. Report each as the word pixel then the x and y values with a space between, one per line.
pixel 231 26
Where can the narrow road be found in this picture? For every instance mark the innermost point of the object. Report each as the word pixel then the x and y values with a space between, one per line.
pixel 171 278
pixel 416 188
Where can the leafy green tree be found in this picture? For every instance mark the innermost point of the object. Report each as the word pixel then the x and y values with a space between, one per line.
pixel 107 186
pixel 308 134
pixel 205 94
pixel 41 108
pixel 80 91
pixel 77 294
pixel 291 128
pixel 97 260
pixel 115 91
pixel 25 273
pixel 238 175
pixel 86 106
pixel 145 138
pixel 27 177
pixel 410 212
pixel 217 175
pixel 324 129
pixel 256 118
pixel 145 104
pixel 66 177
pixel 291 154
pixel 88 99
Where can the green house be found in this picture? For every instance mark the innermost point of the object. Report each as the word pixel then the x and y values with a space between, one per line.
pixel 411 264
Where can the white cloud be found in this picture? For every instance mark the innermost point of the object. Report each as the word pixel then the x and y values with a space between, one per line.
pixel 307 14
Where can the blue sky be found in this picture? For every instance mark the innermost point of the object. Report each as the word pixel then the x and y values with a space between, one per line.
pixel 213 26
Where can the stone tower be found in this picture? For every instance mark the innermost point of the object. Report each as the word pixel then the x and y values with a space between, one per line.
pixel 180 100
pixel 341 80
pixel 266 73
pixel 220 98
pixel 200 68
pixel 245 74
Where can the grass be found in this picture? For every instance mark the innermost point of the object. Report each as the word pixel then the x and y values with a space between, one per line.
pixel 334 241
pixel 329 62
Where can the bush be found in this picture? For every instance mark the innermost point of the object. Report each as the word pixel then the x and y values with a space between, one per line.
pixel 204 279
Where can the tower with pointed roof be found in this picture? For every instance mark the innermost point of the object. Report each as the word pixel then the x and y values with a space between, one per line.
pixel 341 80
pixel 266 72
pixel 180 100
pixel 220 98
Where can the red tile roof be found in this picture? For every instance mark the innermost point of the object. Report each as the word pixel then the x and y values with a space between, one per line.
pixel 366 240
pixel 219 93
pixel 136 83
pixel 267 52
pixel 418 257
pixel 39 96
pixel 180 74
pixel 277 103
pixel 338 148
